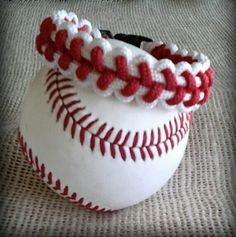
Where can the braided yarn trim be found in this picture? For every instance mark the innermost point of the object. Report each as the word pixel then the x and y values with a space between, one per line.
pixel 162 75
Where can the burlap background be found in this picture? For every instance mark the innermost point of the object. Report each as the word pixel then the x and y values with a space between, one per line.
pixel 199 199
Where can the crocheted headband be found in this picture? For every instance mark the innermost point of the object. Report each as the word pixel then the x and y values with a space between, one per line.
pixel 156 73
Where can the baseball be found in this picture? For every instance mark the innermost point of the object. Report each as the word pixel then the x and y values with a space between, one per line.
pixel 92 136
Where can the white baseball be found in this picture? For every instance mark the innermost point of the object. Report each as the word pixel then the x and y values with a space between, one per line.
pixel 101 153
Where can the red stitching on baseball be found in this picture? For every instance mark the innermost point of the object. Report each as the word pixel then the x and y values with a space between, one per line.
pixel 57 84
pixel 56 185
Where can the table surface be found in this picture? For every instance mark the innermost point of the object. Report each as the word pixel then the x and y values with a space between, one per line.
pixel 200 198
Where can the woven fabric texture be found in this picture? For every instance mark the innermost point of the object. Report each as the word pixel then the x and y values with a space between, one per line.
pixel 200 198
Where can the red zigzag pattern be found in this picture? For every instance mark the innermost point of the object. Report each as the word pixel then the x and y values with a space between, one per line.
pixel 59 88
pixel 56 185
pixel 107 76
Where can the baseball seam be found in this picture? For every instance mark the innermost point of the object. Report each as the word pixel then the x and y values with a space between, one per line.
pixel 49 179
pixel 81 125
